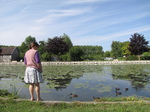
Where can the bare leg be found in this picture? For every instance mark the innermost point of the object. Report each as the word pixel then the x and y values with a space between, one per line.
pixel 37 90
pixel 31 90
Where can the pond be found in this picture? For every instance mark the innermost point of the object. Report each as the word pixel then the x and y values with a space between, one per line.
pixel 85 81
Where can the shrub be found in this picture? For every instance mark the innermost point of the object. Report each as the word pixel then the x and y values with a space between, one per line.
pixel 65 57
pixel 4 93
pixel 132 57
pixel 145 57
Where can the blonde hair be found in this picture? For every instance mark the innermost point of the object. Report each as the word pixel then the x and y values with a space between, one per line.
pixel 33 44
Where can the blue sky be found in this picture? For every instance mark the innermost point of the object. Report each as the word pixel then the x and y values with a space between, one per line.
pixel 86 22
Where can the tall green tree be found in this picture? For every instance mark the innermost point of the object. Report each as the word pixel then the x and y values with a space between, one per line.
pixel 138 44
pixel 116 49
pixel 45 56
pixel 29 40
pixel 76 53
pixel 57 46
pixel 42 47
pixel 92 52
pixel 25 45
pixel 67 39
pixel 22 49
pixel 125 48
pixel 107 54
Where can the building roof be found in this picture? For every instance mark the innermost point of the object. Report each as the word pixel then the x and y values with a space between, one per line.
pixel 7 50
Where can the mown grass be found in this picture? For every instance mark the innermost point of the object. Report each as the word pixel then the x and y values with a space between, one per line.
pixel 11 105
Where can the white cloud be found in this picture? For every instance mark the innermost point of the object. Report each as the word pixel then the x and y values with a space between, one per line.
pixel 96 39
pixel 83 1
pixel 69 12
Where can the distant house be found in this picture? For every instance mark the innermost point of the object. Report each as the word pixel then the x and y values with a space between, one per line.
pixel 9 54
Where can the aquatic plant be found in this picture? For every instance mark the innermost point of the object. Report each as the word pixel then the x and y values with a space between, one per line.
pixel 60 76
pixel 15 91
pixel 138 74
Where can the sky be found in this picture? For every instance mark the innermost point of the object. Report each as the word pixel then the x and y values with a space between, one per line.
pixel 86 22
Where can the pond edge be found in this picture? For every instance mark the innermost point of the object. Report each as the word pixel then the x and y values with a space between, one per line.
pixel 82 63
pixel 85 102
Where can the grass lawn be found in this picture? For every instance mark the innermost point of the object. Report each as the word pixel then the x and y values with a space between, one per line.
pixel 11 105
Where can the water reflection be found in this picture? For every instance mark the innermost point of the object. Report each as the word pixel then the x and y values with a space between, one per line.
pixel 61 82
pixel 139 81
pixel 137 74
pixel 58 84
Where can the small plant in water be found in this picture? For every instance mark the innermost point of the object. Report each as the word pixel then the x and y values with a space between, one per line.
pixel 15 91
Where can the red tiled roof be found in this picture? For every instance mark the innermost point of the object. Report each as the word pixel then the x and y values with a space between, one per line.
pixel 7 50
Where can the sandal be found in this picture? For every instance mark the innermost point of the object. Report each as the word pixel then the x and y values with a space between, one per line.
pixel 32 99
pixel 40 99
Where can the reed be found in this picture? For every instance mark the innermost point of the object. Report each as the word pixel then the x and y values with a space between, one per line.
pixel 15 91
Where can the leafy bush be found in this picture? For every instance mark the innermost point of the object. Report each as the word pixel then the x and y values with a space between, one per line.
pixel 145 57
pixel 146 54
pixel 65 57
pixel 121 58
pixel 76 52
pixel 4 93
pixel 132 57
pixel 45 56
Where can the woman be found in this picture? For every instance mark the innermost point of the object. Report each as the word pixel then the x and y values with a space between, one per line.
pixel 33 73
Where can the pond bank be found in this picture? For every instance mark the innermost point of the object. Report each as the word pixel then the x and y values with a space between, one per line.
pixel 82 63
pixel 102 102
pixel 80 102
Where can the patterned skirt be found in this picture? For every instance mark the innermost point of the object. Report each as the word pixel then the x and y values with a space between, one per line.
pixel 32 75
